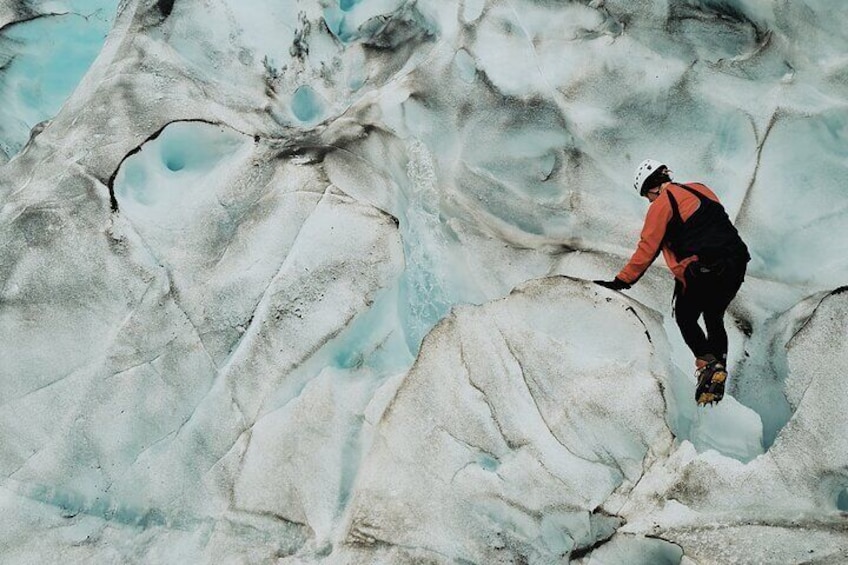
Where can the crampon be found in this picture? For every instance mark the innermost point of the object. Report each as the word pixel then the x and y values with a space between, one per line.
pixel 711 379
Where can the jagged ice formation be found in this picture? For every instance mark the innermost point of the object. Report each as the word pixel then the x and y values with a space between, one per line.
pixel 307 282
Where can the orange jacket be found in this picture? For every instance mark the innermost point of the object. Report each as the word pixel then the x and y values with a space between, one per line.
pixel 656 221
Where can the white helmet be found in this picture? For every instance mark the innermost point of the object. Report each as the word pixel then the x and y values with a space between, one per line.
pixel 643 171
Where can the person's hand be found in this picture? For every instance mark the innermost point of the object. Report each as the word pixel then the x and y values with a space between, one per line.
pixel 614 284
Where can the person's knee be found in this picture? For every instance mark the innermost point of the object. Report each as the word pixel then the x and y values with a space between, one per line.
pixel 689 328
pixel 685 319
pixel 714 319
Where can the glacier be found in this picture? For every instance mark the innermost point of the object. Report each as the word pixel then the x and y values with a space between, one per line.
pixel 308 282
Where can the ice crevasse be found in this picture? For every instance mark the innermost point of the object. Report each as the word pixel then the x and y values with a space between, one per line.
pixel 309 282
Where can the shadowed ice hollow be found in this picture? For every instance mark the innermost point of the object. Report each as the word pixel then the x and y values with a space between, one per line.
pixel 309 282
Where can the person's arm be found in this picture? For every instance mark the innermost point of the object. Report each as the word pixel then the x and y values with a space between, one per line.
pixel 650 241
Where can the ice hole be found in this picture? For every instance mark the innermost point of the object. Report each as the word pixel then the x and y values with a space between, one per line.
pixel 306 104
pixel 842 500
pixel 148 189
pixel 175 163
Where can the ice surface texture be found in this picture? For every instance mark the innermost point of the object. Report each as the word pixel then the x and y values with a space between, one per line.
pixel 514 427
pixel 283 282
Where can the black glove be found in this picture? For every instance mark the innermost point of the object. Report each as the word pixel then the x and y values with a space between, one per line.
pixel 614 284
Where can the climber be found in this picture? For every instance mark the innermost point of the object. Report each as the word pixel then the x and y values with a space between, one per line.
pixel 708 258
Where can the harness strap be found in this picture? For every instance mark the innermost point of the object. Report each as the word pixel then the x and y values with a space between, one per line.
pixel 693 191
pixel 675 210
pixel 677 222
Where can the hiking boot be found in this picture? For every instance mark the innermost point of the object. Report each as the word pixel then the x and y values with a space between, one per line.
pixel 711 376
pixel 702 364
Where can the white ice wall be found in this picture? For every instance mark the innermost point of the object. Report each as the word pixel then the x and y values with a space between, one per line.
pixel 222 258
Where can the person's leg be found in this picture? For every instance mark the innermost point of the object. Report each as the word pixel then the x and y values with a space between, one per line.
pixel 690 305
pixel 716 334
pixel 688 308
pixel 725 287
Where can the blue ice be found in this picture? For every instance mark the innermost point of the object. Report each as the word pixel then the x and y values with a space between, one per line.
pixel 373 341
pixel 306 104
pixel 488 462
pixel 72 503
pixel 348 5
pixel 339 25
pixel 842 500
pixel 43 61
pixel 167 170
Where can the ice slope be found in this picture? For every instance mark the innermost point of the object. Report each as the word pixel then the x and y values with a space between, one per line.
pixel 498 445
pixel 222 259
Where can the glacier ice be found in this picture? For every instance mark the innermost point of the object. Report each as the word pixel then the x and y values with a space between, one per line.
pixel 306 282
pixel 45 49
pixel 497 440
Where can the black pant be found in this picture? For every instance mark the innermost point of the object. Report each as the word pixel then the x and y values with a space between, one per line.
pixel 708 292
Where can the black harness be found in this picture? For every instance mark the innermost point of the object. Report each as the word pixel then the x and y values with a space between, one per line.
pixel 708 233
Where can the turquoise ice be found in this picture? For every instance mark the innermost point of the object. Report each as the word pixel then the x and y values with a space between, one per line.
pixel 43 60
pixel 306 104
